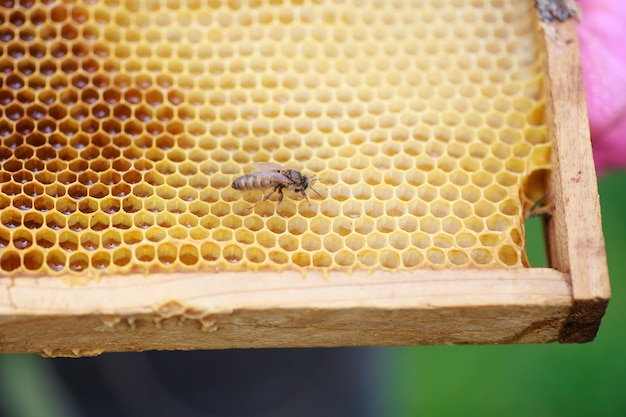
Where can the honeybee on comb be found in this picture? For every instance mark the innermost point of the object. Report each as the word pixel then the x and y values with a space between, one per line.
pixel 266 175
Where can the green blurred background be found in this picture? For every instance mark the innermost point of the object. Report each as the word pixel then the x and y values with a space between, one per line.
pixel 516 380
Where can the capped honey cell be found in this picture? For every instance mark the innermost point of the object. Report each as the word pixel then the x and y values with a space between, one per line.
pixel 123 127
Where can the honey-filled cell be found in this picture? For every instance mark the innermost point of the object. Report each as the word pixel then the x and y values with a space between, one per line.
pixel 121 134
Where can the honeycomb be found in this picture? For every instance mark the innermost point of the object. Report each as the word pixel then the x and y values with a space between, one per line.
pixel 124 123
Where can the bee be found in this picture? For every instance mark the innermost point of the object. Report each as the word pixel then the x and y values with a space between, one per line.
pixel 270 175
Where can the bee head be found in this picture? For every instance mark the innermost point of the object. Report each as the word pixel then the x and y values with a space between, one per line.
pixel 309 182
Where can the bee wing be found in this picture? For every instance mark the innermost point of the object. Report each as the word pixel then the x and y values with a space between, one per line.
pixel 260 167
pixel 274 177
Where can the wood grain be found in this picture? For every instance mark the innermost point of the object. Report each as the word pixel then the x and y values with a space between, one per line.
pixel 217 311
pixel 575 229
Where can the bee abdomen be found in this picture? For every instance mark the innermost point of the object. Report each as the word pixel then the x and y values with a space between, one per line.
pixel 250 182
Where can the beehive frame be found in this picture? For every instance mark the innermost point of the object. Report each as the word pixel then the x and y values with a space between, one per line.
pixel 198 310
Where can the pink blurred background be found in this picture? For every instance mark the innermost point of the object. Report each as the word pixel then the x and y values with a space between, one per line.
pixel 602 34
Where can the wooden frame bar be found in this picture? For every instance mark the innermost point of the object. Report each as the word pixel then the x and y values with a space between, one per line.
pixel 235 310
pixel 575 230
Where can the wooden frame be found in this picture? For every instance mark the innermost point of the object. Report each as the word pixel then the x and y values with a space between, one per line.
pixel 574 232
pixel 215 311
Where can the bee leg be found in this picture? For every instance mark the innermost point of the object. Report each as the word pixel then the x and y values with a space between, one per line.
pixel 305 196
pixel 280 196
pixel 266 196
